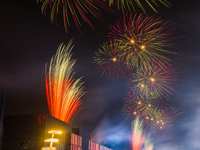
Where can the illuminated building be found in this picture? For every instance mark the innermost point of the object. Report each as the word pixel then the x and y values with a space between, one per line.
pixel 86 136
pixel 30 132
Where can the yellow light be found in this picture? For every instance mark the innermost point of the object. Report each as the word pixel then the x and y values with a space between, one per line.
pixel 139 103
pixel 160 127
pixel 152 79
pixel 55 132
pixel 143 47
pixel 134 112
pixel 132 41
pixel 152 119
pixel 149 105
pixel 114 59
pixel 48 148
pixel 51 140
pixel 142 85
pixel 157 121
pixel 162 122
pixel 147 117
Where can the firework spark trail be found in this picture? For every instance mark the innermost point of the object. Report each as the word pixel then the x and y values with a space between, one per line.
pixel 110 62
pixel 77 8
pixel 138 137
pixel 130 4
pixel 143 38
pixel 63 92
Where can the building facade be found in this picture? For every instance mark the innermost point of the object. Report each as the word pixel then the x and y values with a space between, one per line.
pixel 30 131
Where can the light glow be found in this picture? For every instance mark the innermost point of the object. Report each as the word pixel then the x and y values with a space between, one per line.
pixel 114 59
pixel 51 140
pixel 152 79
pixel 48 148
pixel 143 47
pixel 132 41
pixel 55 132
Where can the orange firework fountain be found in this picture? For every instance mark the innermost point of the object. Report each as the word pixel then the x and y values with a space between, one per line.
pixel 138 138
pixel 63 92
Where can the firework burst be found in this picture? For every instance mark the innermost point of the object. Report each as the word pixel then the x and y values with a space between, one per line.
pixel 77 8
pixel 63 92
pixel 154 80
pixel 155 114
pixel 162 122
pixel 142 37
pixel 130 4
pixel 110 62
pixel 138 105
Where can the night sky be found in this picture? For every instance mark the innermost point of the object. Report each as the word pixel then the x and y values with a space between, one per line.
pixel 29 40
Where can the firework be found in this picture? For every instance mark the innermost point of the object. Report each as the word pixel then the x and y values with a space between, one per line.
pixel 155 114
pixel 110 62
pixel 76 8
pixel 154 80
pixel 142 37
pixel 148 145
pixel 137 105
pixel 162 123
pixel 63 92
pixel 130 4
pixel 138 137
